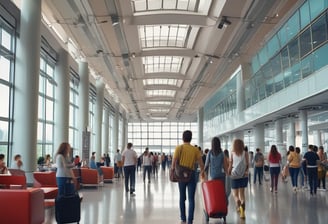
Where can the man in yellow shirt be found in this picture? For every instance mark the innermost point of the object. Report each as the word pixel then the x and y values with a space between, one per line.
pixel 188 156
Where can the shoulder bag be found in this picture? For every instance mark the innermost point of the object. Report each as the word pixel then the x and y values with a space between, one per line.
pixel 180 173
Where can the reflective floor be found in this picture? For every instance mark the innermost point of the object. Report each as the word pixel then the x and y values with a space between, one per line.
pixel 158 202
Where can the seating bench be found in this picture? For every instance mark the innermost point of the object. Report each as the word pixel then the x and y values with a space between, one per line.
pixel 23 206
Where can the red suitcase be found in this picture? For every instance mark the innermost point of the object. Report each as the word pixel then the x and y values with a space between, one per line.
pixel 215 200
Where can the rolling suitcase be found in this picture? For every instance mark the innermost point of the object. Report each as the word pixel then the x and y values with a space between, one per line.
pixel 68 206
pixel 215 200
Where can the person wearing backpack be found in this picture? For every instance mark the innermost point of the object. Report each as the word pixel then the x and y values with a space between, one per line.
pixel 258 166
pixel 238 170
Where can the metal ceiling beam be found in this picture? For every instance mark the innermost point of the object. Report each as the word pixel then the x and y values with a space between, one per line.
pixel 171 18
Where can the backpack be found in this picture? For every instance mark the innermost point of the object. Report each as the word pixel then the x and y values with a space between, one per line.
pixel 239 170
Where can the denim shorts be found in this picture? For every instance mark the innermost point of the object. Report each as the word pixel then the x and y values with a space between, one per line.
pixel 239 183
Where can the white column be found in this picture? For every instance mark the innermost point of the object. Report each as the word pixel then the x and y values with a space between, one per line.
pixel 304 129
pixel 105 132
pixel 317 137
pixel 61 114
pixel 279 137
pixel 240 92
pixel 200 116
pixel 115 129
pixel 27 86
pixel 100 86
pixel 83 121
pixel 259 137
pixel 124 131
pixel 291 133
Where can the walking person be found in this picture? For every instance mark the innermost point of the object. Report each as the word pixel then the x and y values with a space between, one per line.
pixel 258 166
pixel 130 157
pixel 321 169
pixel 238 170
pixel 294 163
pixel 274 159
pixel 163 161
pixel 155 164
pixel 216 164
pixel 118 164
pixel 147 160
pixel 64 165
pixel 312 160
pixel 302 172
pixel 188 156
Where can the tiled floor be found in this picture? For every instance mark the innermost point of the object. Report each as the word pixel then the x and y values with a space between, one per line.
pixel 158 202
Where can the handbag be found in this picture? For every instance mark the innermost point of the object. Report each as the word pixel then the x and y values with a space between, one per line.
pixel 180 173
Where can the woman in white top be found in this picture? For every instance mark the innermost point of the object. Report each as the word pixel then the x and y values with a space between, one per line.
pixel 64 165
pixel 147 161
pixel 238 169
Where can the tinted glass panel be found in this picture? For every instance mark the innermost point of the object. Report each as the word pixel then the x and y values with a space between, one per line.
pixel 293 51
pixel 319 31
pixel 305 42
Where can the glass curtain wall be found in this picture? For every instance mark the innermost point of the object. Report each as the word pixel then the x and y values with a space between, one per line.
pixel 47 85
pixel 296 51
pixel 7 52
pixel 73 113
pixel 160 136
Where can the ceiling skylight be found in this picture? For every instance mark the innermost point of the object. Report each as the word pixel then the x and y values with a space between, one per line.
pixel 152 5
pixel 159 110
pixel 160 92
pixel 170 82
pixel 154 64
pixel 159 103
pixel 163 35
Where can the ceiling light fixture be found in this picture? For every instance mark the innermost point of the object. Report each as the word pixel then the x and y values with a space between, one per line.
pixel 224 22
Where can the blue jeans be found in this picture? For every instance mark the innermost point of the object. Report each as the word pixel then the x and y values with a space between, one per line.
pixel 313 179
pixel 130 175
pixel 62 185
pixel 147 169
pixel 293 172
pixel 274 172
pixel 258 171
pixel 303 177
pixel 191 186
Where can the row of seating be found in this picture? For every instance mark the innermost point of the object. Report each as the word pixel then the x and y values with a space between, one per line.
pixel 28 202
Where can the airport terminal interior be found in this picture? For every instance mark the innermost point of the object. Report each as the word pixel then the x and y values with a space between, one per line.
pixel 99 74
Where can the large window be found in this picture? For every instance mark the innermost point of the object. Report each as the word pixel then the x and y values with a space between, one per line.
pixel 45 134
pixel 73 113
pixel 92 108
pixel 300 55
pixel 160 136
pixel 7 43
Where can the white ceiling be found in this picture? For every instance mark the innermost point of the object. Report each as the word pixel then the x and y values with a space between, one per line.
pixel 209 56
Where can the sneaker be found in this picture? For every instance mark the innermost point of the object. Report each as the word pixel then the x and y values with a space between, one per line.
pixel 242 212
pixel 271 189
pixel 132 194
